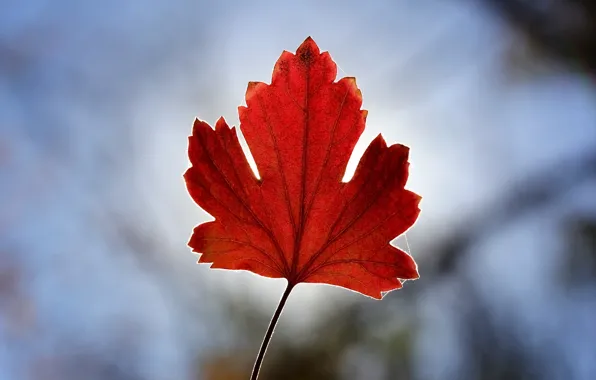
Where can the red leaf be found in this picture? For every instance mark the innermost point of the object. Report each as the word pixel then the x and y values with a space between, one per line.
pixel 300 221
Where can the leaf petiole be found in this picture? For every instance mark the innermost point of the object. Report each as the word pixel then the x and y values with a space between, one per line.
pixel 269 333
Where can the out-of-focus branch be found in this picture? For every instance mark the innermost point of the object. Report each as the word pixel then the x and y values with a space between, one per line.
pixel 564 29
pixel 524 196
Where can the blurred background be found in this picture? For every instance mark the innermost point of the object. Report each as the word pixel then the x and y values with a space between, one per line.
pixel 497 99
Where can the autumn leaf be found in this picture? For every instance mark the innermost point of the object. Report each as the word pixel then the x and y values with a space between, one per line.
pixel 299 221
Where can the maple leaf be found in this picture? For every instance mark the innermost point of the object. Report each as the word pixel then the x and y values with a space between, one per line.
pixel 299 221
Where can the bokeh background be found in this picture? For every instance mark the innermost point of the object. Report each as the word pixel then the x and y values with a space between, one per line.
pixel 497 99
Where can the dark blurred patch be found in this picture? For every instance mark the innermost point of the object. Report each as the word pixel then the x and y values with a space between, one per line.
pixel 322 353
pixel 496 353
pixel 17 310
pixel 228 366
pixel 579 260
pixel 563 29
pixel 524 196
pixel 81 365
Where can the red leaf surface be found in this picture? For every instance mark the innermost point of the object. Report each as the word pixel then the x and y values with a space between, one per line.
pixel 299 221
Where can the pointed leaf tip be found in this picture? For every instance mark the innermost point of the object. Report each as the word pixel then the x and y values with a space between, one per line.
pixel 221 124
pixel 308 41
pixel 307 51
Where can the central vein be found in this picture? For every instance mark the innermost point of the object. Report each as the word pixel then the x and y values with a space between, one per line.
pixel 301 205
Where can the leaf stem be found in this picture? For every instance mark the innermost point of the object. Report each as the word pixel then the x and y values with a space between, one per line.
pixel 269 333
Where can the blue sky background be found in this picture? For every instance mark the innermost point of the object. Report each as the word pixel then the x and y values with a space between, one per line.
pixel 96 102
